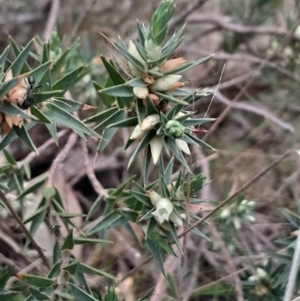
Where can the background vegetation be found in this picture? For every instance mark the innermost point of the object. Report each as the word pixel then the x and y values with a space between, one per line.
pixel 254 78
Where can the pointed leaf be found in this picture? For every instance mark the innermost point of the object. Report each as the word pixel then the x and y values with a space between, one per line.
pixel 19 62
pixel 24 136
pixel 83 268
pixel 68 243
pixel 156 254
pixel 66 81
pixel 61 116
pixel 36 280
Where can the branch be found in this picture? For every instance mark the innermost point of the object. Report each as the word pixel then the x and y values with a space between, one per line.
pixel 225 22
pixel 23 227
pixel 243 188
pixel 61 157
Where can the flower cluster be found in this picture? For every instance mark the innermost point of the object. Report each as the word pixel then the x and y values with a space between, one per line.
pixel 165 210
pixel 239 212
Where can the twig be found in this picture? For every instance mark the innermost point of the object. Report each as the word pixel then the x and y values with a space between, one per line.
pixel 235 279
pixel 61 157
pixel 81 19
pixel 27 233
pixel 243 188
pixel 143 263
pixel 239 95
pixel 225 23
pixel 182 16
pixel 195 272
pixel 42 148
pixel 160 288
pixel 254 109
pixel 51 19
pixel 89 171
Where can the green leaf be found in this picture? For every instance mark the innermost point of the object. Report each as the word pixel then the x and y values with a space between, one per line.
pixel 85 240
pixel 171 98
pixel 107 100
pixel 108 134
pixel 118 91
pixel 39 72
pixel 177 153
pixel 61 116
pixel 3 57
pixel 43 96
pixel 19 62
pixel 72 267
pixel 5 274
pixel 115 117
pixel 39 210
pixel 83 268
pixel 79 294
pixel 156 254
pixel 105 222
pixel 39 115
pixel 115 78
pixel 10 159
pixel 145 141
pixel 141 32
pixel 27 171
pixel 95 206
pixel 33 187
pixel 129 215
pixel 136 82
pixel 36 280
pixel 53 131
pixel 100 117
pixel 135 62
pixel 142 198
pixel 198 141
pixel 129 122
pixel 68 243
pixel 8 85
pixel 59 64
pixel 38 295
pixel 37 218
pixel 12 110
pixel 66 81
pixel 174 235
pixel 24 136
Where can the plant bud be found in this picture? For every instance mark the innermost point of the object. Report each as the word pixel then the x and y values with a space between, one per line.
pixel 175 219
pixel 149 122
pixel 165 82
pixel 140 92
pixel 148 79
pixel 156 145
pixel 177 85
pixel 154 197
pixel 261 273
pixel 137 133
pixel 164 108
pixel 225 213
pixel 154 98
pixel 172 64
pixel 183 146
pixel 153 50
pixel 174 129
pixel 134 52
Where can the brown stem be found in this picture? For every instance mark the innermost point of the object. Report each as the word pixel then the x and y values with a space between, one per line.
pixel 27 233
